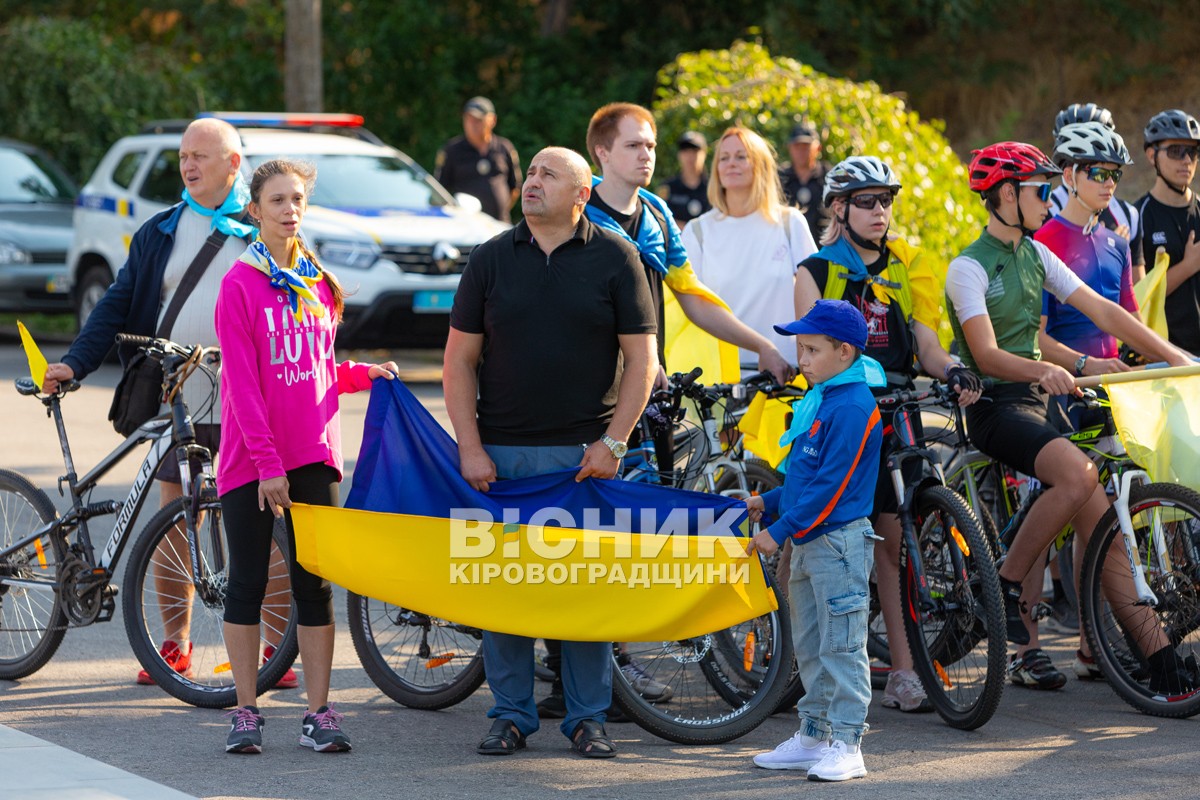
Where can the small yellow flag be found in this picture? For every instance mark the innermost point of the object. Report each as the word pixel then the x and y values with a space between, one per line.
pixel 1151 293
pixel 37 361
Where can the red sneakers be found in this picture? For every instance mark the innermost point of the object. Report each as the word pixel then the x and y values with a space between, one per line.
pixel 180 661
pixel 289 679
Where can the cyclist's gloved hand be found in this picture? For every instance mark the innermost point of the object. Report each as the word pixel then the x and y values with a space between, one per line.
pixel 961 379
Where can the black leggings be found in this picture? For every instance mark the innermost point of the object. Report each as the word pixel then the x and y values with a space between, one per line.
pixel 248 532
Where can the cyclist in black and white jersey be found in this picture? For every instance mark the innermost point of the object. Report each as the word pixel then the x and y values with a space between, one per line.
pixel 1120 217
pixel 1171 219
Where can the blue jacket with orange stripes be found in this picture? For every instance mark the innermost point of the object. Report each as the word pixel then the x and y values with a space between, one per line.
pixel 833 469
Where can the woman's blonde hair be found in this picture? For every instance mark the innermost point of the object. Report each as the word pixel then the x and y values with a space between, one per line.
pixel 834 227
pixel 766 193
pixel 306 171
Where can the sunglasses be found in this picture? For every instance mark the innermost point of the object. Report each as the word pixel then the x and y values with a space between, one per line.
pixel 867 201
pixel 1043 190
pixel 1102 174
pixel 1181 152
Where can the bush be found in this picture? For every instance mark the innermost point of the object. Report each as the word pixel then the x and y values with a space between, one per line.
pixel 711 90
pixel 74 90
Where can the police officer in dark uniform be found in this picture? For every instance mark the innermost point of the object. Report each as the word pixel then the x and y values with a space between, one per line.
pixel 803 179
pixel 687 193
pixel 481 163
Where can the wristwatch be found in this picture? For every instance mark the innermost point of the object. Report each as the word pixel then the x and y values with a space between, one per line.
pixel 618 449
pixel 1080 363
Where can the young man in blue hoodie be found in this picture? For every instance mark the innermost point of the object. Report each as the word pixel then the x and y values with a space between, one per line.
pixel 824 506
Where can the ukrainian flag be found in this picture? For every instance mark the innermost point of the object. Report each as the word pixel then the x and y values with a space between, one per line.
pixel 543 556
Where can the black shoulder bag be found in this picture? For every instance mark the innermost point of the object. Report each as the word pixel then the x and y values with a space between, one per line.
pixel 139 395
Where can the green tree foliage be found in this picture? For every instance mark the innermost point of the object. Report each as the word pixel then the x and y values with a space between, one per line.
pixel 713 89
pixel 73 89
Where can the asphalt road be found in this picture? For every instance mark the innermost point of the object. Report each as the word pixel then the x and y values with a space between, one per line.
pixel 1080 742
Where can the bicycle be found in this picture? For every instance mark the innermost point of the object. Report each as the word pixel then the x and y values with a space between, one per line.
pixel 726 683
pixel 1145 590
pixel 52 577
pixel 950 589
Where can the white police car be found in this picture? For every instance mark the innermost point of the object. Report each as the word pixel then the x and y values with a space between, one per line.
pixel 394 237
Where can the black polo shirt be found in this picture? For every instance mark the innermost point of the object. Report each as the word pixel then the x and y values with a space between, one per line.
pixel 806 195
pixel 491 176
pixel 1170 227
pixel 549 369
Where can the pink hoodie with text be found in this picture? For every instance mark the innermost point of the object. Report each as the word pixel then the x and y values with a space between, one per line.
pixel 279 382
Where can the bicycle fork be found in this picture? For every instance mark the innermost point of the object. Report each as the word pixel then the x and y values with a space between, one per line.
pixel 1145 595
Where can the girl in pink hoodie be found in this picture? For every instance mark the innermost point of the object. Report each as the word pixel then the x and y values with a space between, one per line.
pixel 277 313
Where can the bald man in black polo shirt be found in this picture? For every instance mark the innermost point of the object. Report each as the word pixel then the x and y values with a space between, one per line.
pixel 531 382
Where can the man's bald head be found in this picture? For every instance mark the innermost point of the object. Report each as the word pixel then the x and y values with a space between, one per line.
pixel 210 155
pixel 216 130
pixel 557 185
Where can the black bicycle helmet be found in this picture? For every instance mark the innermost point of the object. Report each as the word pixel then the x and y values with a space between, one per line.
pixel 1082 112
pixel 1171 124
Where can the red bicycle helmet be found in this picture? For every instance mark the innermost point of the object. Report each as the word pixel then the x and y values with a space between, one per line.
pixel 1007 160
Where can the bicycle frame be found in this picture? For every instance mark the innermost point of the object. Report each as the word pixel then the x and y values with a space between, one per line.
pixel 158 431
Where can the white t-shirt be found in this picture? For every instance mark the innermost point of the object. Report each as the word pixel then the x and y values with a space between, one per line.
pixel 751 263
pixel 194 325
pixel 967 282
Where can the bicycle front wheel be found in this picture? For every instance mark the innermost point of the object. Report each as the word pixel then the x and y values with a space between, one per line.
pixel 955 630
pixel 1124 630
pixel 709 689
pixel 417 660
pixel 32 621
pixel 162 603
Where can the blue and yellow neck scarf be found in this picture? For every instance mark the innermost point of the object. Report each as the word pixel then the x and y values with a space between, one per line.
pixel 298 279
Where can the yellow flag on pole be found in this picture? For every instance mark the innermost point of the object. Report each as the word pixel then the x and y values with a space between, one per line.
pixel 1159 423
pixel 37 361
pixel 1151 293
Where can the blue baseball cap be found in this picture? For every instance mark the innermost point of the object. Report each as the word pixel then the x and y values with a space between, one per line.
pixel 835 318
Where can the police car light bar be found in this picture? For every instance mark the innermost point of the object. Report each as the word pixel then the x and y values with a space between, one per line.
pixel 282 120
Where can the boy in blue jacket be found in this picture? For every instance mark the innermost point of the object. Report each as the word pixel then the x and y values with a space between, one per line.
pixel 824 505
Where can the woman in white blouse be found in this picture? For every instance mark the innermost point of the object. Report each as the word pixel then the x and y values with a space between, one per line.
pixel 747 247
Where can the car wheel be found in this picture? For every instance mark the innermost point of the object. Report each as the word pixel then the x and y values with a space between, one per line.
pixel 92 286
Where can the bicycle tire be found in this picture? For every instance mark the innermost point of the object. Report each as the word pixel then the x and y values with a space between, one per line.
pixel 963 684
pixel 697 713
pixel 414 673
pixel 1108 612
pixel 32 621
pixel 209 681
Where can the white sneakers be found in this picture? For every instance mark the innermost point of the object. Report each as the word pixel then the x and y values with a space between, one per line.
pixel 824 761
pixel 839 764
pixel 799 752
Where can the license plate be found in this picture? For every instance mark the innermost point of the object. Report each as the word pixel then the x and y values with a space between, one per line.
pixel 433 302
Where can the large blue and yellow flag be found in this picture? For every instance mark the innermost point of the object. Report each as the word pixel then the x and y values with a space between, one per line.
pixel 543 556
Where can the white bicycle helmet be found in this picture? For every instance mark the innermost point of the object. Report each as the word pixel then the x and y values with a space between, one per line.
pixel 858 172
pixel 1089 142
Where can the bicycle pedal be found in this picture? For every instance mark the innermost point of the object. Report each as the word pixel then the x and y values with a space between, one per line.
pixel 108 605
pixel 1040 611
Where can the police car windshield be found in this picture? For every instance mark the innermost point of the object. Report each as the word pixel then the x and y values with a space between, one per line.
pixel 27 177
pixel 366 183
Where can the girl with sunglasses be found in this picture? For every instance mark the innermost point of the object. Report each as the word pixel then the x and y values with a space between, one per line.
pixel 1091 157
pixel 1119 217
pixel 888 281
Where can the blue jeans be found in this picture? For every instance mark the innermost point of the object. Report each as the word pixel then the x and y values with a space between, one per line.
pixel 508 660
pixel 830 600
